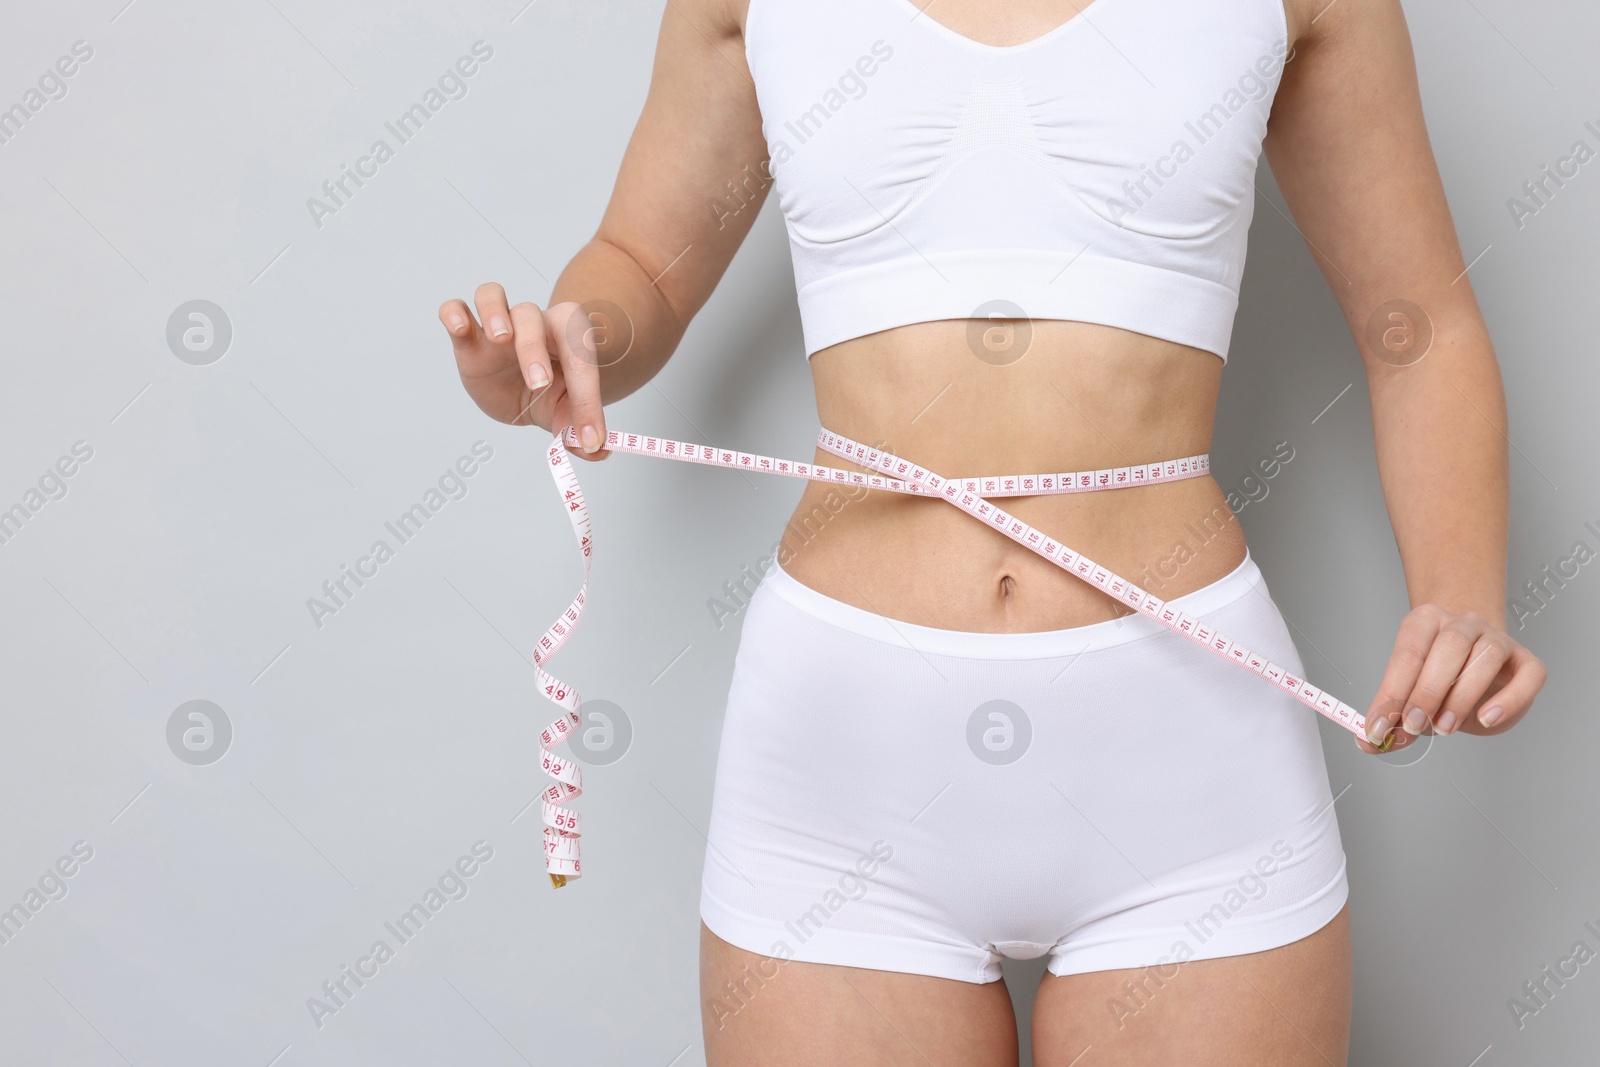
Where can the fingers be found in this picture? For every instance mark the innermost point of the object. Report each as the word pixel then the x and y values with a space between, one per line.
pixel 1504 708
pixel 1442 665
pixel 524 365
pixel 568 335
pixel 491 301
pixel 462 328
pixel 1400 741
pixel 528 331
pixel 1489 654
pixel 1448 653
pixel 1417 631
pixel 481 365
pixel 488 367
pixel 457 320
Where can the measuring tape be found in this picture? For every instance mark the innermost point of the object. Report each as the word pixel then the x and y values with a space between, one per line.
pixel 562 826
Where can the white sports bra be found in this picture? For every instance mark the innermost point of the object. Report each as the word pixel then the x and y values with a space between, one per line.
pixel 1104 172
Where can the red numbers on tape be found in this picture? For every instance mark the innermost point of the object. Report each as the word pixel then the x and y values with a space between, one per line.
pixel 896 475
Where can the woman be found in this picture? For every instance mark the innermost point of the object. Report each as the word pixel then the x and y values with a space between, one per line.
pixel 1018 233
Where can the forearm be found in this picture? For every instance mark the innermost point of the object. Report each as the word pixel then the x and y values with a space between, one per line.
pixel 1440 428
pixel 633 325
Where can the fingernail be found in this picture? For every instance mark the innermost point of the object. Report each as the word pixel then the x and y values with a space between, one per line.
pixel 590 438
pixel 537 378
pixel 1490 716
pixel 457 324
pixel 1446 722
pixel 498 328
pixel 1416 721
pixel 1385 724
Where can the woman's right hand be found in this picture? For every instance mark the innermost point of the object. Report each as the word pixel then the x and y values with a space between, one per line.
pixel 529 367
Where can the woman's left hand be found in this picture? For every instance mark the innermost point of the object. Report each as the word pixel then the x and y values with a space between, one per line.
pixel 1453 671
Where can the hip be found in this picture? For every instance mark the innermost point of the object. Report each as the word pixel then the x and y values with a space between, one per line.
pixel 838 670
pixel 844 727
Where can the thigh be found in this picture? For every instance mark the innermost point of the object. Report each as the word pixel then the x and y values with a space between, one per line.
pixel 1285 1007
pixel 782 1013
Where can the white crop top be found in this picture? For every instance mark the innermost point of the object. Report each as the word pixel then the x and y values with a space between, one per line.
pixel 1104 172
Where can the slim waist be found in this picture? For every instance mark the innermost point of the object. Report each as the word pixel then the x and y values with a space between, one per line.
pixel 997 485
pixel 562 825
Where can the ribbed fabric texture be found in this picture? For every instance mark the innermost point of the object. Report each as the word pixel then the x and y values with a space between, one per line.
pixel 1103 172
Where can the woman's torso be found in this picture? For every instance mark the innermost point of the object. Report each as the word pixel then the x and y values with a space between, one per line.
pixel 965 397
pixel 1083 397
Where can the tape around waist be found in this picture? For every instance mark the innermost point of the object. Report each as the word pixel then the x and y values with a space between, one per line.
pixel 562 825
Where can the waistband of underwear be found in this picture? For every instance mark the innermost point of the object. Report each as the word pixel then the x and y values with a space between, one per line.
pixel 1183 615
pixel 1037 644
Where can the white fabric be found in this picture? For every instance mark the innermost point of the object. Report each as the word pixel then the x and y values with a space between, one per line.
pixel 1103 172
pixel 1166 805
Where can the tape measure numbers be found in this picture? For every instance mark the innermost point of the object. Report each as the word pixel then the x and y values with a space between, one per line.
pixel 563 826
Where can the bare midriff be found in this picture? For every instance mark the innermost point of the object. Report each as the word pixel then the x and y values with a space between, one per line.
pixel 956 397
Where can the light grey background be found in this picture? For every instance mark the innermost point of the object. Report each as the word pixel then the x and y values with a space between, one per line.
pixel 371 752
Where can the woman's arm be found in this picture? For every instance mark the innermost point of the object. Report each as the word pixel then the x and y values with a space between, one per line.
pixel 691 182
pixel 1349 149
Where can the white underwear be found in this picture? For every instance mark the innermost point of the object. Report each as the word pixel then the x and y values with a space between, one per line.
pixel 563 825
pixel 912 799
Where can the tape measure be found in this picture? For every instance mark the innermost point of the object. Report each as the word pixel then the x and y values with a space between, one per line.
pixel 562 825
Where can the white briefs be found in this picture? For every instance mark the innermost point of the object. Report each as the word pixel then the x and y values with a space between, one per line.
pixel 906 798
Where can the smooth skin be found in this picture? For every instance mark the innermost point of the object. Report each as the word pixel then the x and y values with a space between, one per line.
pixel 1349 149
